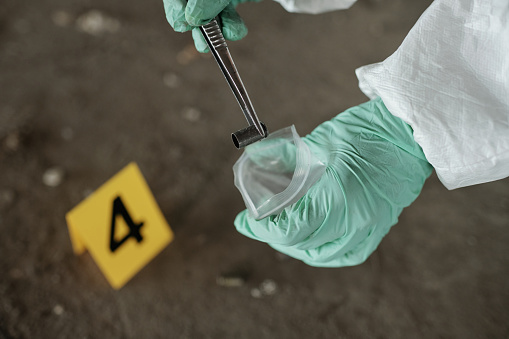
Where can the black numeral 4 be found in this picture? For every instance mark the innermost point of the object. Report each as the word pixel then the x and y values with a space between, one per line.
pixel 134 229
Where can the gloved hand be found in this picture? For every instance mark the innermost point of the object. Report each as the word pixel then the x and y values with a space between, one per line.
pixel 374 170
pixel 184 16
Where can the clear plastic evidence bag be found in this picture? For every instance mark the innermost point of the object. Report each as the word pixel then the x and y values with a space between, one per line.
pixel 276 172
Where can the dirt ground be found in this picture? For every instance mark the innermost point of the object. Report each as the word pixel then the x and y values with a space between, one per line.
pixel 87 86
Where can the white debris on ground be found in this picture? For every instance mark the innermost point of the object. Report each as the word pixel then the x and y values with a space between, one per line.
pixel 171 80
pixel 191 114
pixel 53 176
pixel 256 293
pixel 268 287
pixel 58 309
pixel 235 277
pixel 230 281
pixel 95 22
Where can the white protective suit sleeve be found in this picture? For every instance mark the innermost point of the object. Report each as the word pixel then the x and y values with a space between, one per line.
pixel 449 80
pixel 314 6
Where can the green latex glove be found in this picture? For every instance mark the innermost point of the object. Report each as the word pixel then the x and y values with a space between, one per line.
pixel 374 170
pixel 184 16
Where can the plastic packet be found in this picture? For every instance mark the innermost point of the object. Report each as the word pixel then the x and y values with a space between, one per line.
pixel 276 172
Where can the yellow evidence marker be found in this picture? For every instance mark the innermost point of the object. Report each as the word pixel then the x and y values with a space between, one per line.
pixel 121 225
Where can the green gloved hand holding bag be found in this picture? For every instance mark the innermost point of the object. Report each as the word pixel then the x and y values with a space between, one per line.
pixel 374 170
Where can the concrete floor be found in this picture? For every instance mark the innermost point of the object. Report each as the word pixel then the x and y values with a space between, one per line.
pixel 88 99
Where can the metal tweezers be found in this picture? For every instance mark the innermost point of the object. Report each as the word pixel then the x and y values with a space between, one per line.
pixel 217 44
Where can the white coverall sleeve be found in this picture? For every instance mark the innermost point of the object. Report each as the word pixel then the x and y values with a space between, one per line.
pixel 449 80
pixel 314 6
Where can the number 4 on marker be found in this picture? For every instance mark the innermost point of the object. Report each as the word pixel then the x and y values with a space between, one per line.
pixel 122 248
pixel 134 229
